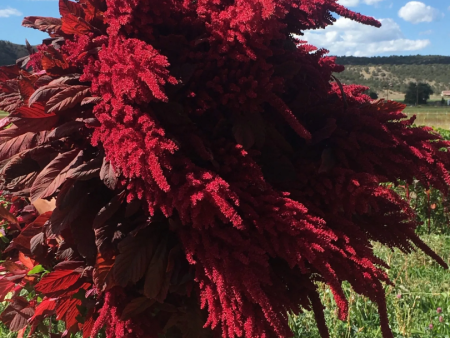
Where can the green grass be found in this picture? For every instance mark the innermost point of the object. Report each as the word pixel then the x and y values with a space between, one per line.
pixel 423 286
pixel 427 109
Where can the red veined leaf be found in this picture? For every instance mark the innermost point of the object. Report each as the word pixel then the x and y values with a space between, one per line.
pixel 88 324
pixel 65 129
pixel 21 143
pixel 62 277
pixel 91 100
pixel 62 176
pixel 67 98
pixel 22 126
pixel 26 86
pixel 109 210
pixel 13 267
pixel 155 275
pixel 5 287
pixel 47 176
pixel 67 310
pixel 44 24
pixel 70 7
pixel 69 79
pixel 23 240
pixel 135 307
pixel 16 314
pixel 10 102
pixel 9 72
pixel 45 309
pixel 6 215
pixel 46 92
pixel 36 111
pixel 73 18
pixel 93 10
pixel 54 62
pixel 108 174
pixel 37 244
pixel 87 170
pixel 102 272
pixel 135 255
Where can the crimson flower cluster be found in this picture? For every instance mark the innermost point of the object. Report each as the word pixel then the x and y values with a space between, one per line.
pixel 201 171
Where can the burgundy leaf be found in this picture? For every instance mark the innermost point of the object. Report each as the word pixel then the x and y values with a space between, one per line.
pixel 36 111
pixel 44 24
pixel 46 92
pixel 16 315
pixel 108 175
pixel 47 176
pixel 91 100
pixel 133 260
pixel 62 277
pixel 67 98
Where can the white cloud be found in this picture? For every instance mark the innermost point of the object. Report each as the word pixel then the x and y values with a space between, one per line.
pixel 347 37
pixel 416 11
pixel 7 12
pixel 427 32
pixel 353 3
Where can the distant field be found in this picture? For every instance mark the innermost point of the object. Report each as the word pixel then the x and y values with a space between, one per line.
pixel 427 110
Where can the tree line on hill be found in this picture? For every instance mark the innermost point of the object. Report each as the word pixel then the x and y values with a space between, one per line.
pixel 394 60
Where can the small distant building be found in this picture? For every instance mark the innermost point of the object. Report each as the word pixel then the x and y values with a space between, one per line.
pixel 446 96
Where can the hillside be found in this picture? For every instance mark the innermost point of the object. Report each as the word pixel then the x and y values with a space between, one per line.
pixel 396 72
pixel 10 52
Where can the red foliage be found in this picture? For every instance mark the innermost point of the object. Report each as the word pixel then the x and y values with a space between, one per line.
pixel 206 170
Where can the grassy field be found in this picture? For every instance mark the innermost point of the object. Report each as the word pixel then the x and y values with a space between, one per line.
pixel 421 287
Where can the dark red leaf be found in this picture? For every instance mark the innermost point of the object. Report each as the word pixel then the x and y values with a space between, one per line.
pixel 26 86
pixel 67 310
pixel 5 287
pixel 48 175
pixel 21 143
pixel 14 268
pixel 36 111
pixel 23 240
pixel 67 98
pixel 88 326
pixel 73 18
pixel 63 175
pixel 156 271
pixel 135 307
pixel 45 24
pixel 133 260
pixel 90 100
pixel 108 175
pixel 102 272
pixel 64 276
pixel 22 126
pixel 44 309
pixel 16 315
pixel 87 170
pixel 109 210
pixel 9 72
pixel 46 92
pixel 6 215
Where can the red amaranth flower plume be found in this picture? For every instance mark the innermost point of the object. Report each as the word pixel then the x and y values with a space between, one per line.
pixel 207 169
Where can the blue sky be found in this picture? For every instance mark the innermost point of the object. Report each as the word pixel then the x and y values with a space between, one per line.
pixel 409 27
